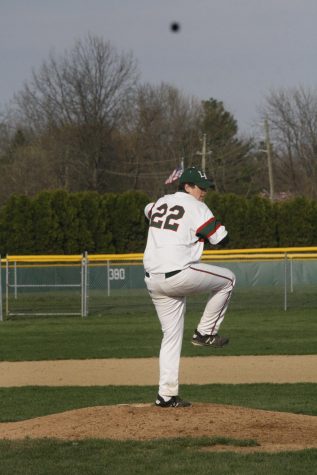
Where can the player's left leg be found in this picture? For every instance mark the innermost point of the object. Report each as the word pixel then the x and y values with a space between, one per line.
pixel 170 312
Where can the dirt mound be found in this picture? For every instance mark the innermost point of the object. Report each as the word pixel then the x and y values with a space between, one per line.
pixel 273 431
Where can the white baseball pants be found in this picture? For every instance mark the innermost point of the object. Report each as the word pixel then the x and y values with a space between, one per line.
pixel 169 298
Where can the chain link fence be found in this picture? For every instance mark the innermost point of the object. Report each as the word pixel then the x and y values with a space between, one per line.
pixel 99 284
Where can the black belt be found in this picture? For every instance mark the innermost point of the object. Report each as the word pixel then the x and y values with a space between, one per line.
pixel 167 274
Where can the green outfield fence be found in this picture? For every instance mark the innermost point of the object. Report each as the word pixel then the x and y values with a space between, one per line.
pixel 87 284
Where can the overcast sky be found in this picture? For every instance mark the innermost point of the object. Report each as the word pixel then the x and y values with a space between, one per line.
pixel 232 50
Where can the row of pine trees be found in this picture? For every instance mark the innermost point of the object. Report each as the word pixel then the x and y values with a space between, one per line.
pixel 58 222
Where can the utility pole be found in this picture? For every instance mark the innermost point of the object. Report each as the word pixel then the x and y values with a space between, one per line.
pixel 269 158
pixel 203 154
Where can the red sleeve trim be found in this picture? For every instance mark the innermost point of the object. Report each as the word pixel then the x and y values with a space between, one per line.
pixel 205 224
pixel 214 230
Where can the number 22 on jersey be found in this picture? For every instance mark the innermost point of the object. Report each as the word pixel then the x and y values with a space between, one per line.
pixel 166 218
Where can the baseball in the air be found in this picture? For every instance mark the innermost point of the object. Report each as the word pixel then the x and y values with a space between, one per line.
pixel 175 27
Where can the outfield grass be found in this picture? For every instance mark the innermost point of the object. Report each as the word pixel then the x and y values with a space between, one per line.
pixel 139 335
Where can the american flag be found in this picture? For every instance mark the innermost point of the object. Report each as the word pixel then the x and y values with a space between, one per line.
pixel 174 175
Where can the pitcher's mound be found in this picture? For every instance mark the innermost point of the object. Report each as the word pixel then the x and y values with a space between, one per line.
pixel 273 431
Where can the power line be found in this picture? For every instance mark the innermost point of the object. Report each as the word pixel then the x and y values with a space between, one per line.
pixel 139 174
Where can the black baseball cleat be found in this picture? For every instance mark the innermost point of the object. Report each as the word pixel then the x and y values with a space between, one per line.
pixel 174 401
pixel 215 341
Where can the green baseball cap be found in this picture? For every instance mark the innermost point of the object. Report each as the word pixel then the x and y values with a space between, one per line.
pixel 195 176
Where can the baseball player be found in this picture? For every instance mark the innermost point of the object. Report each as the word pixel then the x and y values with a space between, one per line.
pixel 179 224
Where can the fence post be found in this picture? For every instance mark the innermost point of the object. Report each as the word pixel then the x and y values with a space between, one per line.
pixel 108 277
pixel 86 284
pixel 7 285
pixel 15 281
pixel 291 274
pixel 84 281
pixel 82 285
pixel 285 281
pixel 1 313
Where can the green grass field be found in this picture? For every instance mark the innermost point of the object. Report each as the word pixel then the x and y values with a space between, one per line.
pixel 176 456
pixel 130 335
pixel 22 403
pixel 132 331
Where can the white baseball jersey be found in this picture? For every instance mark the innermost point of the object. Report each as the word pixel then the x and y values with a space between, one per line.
pixel 179 226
